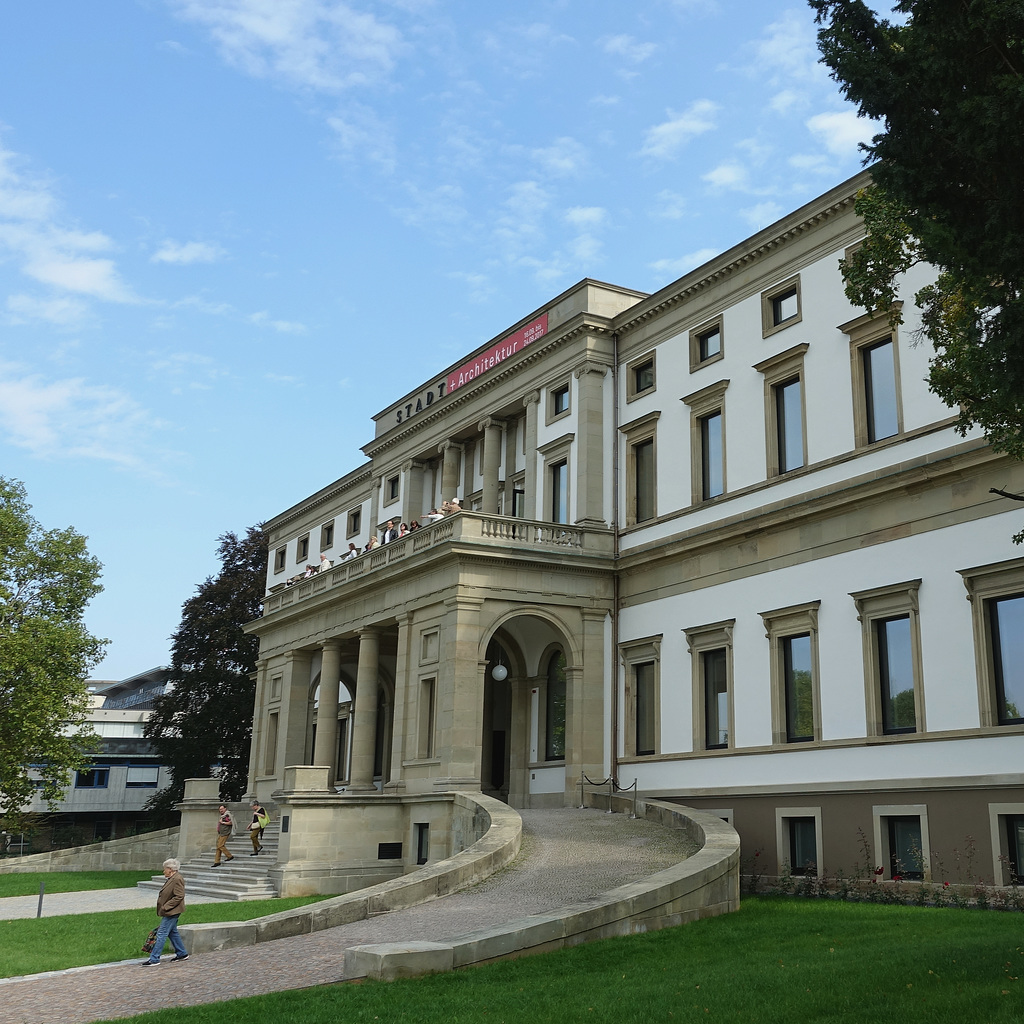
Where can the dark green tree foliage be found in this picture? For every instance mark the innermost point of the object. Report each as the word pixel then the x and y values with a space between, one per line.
pixel 946 78
pixel 204 723
pixel 46 580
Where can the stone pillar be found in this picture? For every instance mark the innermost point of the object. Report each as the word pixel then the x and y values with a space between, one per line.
pixel 374 505
pixel 451 453
pixel 532 403
pixel 492 463
pixel 326 751
pixel 412 493
pixel 364 718
pixel 584 706
pixel 257 755
pixel 403 733
pixel 460 698
pixel 291 733
pixel 198 817
pixel 590 510
pixel 511 450
pixel 468 467
pixel 519 744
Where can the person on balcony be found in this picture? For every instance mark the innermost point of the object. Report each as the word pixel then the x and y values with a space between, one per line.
pixel 352 552
pixel 325 563
pixel 390 533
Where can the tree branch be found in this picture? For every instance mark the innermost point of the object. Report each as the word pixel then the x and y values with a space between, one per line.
pixel 1006 494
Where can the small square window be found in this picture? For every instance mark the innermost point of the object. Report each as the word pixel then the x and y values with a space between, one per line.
pixel 302 549
pixel 640 377
pixel 558 402
pixel 706 344
pixel 280 558
pixel 392 488
pixel 354 521
pixel 327 535
pixel 94 778
pixel 780 306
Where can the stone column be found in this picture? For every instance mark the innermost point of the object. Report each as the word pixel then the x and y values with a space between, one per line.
pixel 584 706
pixel 519 744
pixel 590 510
pixel 326 749
pixel 468 468
pixel 403 733
pixel 412 493
pixel 511 450
pixel 532 403
pixel 460 698
pixel 492 463
pixel 291 733
pixel 451 453
pixel 374 505
pixel 257 755
pixel 364 718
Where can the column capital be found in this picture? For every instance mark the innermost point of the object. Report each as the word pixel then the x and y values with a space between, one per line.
pixel 369 631
pixel 533 398
pixel 450 445
pixel 590 366
pixel 333 644
pixel 490 421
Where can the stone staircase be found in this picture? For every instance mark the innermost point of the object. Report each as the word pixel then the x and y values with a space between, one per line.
pixel 244 878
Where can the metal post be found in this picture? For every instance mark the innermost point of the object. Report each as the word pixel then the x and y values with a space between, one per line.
pixel 635 788
pixel 39 909
pixel 611 785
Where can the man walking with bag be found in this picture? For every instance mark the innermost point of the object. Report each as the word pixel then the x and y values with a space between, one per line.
pixel 224 828
pixel 169 905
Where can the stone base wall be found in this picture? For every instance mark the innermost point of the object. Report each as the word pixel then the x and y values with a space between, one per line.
pixel 145 852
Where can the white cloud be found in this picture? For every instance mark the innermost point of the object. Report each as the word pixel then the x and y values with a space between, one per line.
pixel 442 206
pixel 627 47
pixel 323 45
pixel 62 311
pixel 479 285
pixel 842 131
pixel 788 53
pixel 786 100
pixel 71 419
pixel 262 319
pixel 521 224
pixel 189 252
pixel 729 175
pixel 671 205
pixel 671 269
pixel 665 139
pixel 360 134
pixel 563 158
pixel 762 214
pixel 585 216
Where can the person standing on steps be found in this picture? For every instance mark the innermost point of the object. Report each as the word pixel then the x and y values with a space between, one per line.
pixel 260 820
pixel 169 905
pixel 224 829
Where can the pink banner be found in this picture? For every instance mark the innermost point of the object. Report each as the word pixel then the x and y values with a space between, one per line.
pixel 498 353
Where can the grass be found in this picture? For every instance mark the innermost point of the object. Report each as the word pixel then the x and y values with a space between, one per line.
pixel 33 945
pixel 69 881
pixel 776 961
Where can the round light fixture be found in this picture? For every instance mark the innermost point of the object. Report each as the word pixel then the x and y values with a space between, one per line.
pixel 499 673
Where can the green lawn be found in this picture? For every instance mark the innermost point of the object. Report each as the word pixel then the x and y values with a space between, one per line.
pixel 776 961
pixel 33 945
pixel 69 881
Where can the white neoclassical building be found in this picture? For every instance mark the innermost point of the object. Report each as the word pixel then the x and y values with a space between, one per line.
pixel 720 541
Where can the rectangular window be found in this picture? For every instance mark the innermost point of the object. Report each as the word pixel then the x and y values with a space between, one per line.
pixel 354 522
pixel 716 699
pixel 891 643
pixel 896 674
pixel 803 846
pixel 645 739
pixel 554 709
pixel 327 536
pixel 643 479
pixel 560 400
pixel 302 549
pixel 560 492
pixel 1014 826
pixel 880 390
pixel 789 427
pixel 1006 627
pixel 712 465
pixel 280 559
pixel 142 777
pixel 427 717
pixel 905 856
pixel 799 693
pixel 706 344
pixel 94 778
pixel 392 489
pixel 643 377
pixel 780 306
pixel 270 749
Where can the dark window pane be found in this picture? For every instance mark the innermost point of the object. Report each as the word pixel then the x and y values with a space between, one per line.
pixel 554 745
pixel 803 851
pixel 643 377
pixel 560 492
pixel 716 699
pixel 880 390
pixel 712 475
pixel 710 344
pixel 785 307
pixel 643 454
pixel 1006 620
pixel 905 847
pixel 646 741
pixel 796 667
pixel 789 424
pixel 896 675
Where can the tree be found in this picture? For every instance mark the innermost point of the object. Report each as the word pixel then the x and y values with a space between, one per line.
pixel 203 723
pixel 46 580
pixel 947 81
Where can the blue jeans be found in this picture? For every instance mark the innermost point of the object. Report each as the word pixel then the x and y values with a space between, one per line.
pixel 168 930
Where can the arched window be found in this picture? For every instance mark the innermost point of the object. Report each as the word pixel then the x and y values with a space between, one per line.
pixel 554 717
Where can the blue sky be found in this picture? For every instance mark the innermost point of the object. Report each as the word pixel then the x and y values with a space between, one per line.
pixel 233 230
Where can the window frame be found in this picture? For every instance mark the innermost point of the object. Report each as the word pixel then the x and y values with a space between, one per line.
pixel 986 583
pixel 699 641
pixel 780 625
pixel 544 710
pixel 426 718
pixel 393 489
pixel 633 653
pixel 769 324
pixel 778 371
pixel 640 432
pixel 866 332
pixel 880 815
pixel 327 536
pixel 280 559
pixel 302 549
pixel 703 404
pixel 100 777
pixel 554 453
pixel 563 387
pixel 784 816
pixel 881 604
pixel 353 522
pixel 998 816
pixel 697 336
pixel 633 367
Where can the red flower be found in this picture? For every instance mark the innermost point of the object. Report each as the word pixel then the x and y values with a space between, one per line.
pixel 879 871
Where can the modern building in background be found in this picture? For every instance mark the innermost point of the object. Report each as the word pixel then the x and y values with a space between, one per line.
pixel 107 801
pixel 719 541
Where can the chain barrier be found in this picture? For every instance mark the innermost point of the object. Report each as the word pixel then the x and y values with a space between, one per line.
pixel 613 787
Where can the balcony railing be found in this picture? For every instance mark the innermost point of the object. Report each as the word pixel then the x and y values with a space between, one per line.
pixel 526 536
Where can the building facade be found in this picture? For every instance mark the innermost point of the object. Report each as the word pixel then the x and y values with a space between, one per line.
pixel 720 541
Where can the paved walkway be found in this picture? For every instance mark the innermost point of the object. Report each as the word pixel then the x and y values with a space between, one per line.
pixel 567 855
